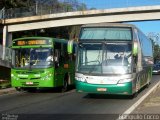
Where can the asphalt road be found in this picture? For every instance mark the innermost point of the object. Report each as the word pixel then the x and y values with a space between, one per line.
pixel 69 105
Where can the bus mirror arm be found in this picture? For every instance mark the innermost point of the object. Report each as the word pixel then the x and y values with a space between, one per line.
pixel 56 64
pixel 135 49
pixel 135 59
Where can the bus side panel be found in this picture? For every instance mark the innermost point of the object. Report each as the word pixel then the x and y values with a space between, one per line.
pixel 145 76
pixel 60 73
pixel 59 76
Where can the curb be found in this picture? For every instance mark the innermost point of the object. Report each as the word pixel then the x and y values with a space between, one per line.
pixel 7 90
pixel 135 105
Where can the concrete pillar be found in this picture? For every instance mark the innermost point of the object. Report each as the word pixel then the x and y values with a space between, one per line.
pixel 7 41
pixel 4 41
pixel 4 36
pixel 7 37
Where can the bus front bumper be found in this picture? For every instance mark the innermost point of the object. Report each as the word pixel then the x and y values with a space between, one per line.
pixel 121 89
pixel 29 83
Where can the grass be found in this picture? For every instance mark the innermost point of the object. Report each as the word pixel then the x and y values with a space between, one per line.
pixel 5 84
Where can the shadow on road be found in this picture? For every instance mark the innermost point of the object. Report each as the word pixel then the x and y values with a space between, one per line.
pixel 105 96
pixel 49 90
pixel 110 96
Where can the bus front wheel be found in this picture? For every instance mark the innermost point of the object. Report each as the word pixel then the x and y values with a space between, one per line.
pixel 137 88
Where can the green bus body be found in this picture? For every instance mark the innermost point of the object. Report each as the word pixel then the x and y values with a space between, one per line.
pixel 113 59
pixel 38 72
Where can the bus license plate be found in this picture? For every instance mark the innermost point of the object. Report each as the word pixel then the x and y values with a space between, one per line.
pixel 102 89
pixel 29 83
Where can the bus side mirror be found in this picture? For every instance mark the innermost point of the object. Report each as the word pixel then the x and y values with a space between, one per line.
pixel 135 49
pixel 70 47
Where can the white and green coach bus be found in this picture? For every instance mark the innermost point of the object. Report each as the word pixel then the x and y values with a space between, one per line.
pixel 113 58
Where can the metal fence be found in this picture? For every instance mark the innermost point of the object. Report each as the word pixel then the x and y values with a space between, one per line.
pixel 40 9
pixel 65 6
pixel 2 12
pixel 5 53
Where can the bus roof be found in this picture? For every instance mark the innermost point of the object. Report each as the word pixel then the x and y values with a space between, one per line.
pixel 109 25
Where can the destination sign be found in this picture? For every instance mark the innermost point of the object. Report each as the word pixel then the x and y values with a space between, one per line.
pixel 31 42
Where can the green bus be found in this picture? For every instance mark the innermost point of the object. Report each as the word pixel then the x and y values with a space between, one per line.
pixel 113 58
pixel 42 62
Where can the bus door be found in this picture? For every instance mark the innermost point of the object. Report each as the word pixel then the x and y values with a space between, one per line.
pixel 59 72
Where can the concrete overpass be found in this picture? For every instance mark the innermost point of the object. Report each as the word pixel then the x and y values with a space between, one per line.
pixel 78 18
pixel 83 17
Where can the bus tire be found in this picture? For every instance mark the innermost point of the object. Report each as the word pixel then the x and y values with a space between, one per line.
pixel 65 83
pixel 134 95
pixel 148 81
pixel 19 89
pixel 137 87
pixel 148 84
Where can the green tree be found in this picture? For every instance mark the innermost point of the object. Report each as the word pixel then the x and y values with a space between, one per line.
pixel 17 3
pixel 155 38
pixel 67 32
pixel 74 32
pixel 82 6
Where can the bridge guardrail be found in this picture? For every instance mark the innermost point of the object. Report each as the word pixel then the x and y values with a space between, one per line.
pixel 2 12
pixel 38 10
pixel 70 6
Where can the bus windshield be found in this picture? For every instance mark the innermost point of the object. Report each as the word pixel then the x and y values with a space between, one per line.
pixel 106 34
pixel 33 58
pixel 106 58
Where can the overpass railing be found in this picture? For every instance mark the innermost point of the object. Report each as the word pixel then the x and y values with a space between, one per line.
pixel 70 6
pixel 39 9
pixel 2 12
pixel 5 54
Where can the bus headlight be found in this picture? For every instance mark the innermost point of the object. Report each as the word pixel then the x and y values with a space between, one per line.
pixel 125 80
pixel 80 79
pixel 13 77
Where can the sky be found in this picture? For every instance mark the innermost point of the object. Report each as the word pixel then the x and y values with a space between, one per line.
pixel 146 27
pixel 100 4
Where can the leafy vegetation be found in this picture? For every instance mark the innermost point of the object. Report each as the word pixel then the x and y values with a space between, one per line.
pixel 17 3
pixel 69 5
pixel 4 84
pixel 155 38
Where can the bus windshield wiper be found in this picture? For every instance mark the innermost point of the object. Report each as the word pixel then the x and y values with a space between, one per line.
pixel 97 60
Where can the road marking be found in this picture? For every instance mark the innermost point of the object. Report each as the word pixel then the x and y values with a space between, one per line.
pixel 130 110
